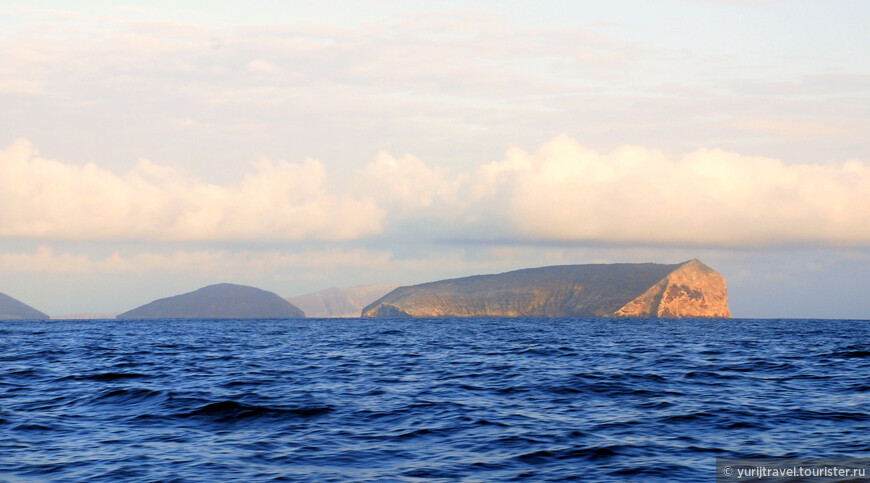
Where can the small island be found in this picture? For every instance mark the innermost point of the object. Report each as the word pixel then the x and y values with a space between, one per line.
pixel 220 301
pixel 688 289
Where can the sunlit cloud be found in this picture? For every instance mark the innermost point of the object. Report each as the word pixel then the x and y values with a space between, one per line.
pixel 46 259
pixel 407 184
pixel 635 195
pixel 242 264
pixel 43 198
pixel 708 197
pixel 793 129
pixel 261 66
pixel 456 55
pixel 561 192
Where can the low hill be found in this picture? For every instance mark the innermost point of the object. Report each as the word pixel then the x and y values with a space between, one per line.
pixel 339 302
pixel 221 301
pixel 11 308
pixel 689 289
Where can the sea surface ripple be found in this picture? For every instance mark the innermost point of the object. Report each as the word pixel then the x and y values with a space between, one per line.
pixel 413 400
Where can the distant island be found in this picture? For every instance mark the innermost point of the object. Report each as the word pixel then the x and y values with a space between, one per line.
pixel 339 302
pixel 220 301
pixel 12 309
pixel 86 316
pixel 688 289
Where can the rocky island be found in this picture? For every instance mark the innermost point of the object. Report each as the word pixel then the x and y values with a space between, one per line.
pixel 688 289
pixel 220 301
pixel 11 308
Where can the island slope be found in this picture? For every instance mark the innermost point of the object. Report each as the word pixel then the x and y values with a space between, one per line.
pixel 11 308
pixel 220 301
pixel 689 289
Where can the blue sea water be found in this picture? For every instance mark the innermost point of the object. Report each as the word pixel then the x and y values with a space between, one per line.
pixel 415 400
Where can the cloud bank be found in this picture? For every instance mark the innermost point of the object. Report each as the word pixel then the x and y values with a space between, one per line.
pixel 562 192
pixel 43 198
pixel 47 260
pixel 707 197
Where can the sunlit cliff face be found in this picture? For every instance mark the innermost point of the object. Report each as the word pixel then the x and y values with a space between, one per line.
pixel 690 289
pixel 693 290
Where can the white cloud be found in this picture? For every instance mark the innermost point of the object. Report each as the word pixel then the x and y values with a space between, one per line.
pixel 708 197
pixel 42 198
pixel 561 192
pixel 356 264
pixel 45 259
pixel 18 86
pixel 261 66
pixel 441 85
pixel 406 184
pixel 447 55
pixel 793 129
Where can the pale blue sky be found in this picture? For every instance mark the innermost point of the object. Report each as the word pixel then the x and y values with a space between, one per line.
pixel 153 148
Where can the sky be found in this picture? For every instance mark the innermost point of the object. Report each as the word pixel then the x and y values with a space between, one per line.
pixel 151 148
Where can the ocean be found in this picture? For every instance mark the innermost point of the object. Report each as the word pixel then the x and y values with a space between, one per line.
pixel 425 399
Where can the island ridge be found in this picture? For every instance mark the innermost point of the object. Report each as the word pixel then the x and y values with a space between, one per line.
pixel 12 309
pixel 219 301
pixel 688 289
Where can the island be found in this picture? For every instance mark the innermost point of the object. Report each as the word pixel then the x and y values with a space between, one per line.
pixel 12 309
pixel 339 302
pixel 688 289
pixel 219 301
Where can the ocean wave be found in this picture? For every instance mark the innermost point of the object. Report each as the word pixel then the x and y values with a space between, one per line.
pixel 452 399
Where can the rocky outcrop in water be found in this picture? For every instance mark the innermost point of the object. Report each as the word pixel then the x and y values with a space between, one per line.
pixel 339 302
pixel 689 289
pixel 221 301
pixel 11 308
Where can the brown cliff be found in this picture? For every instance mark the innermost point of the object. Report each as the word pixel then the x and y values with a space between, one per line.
pixel 693 290
pixel 689 289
